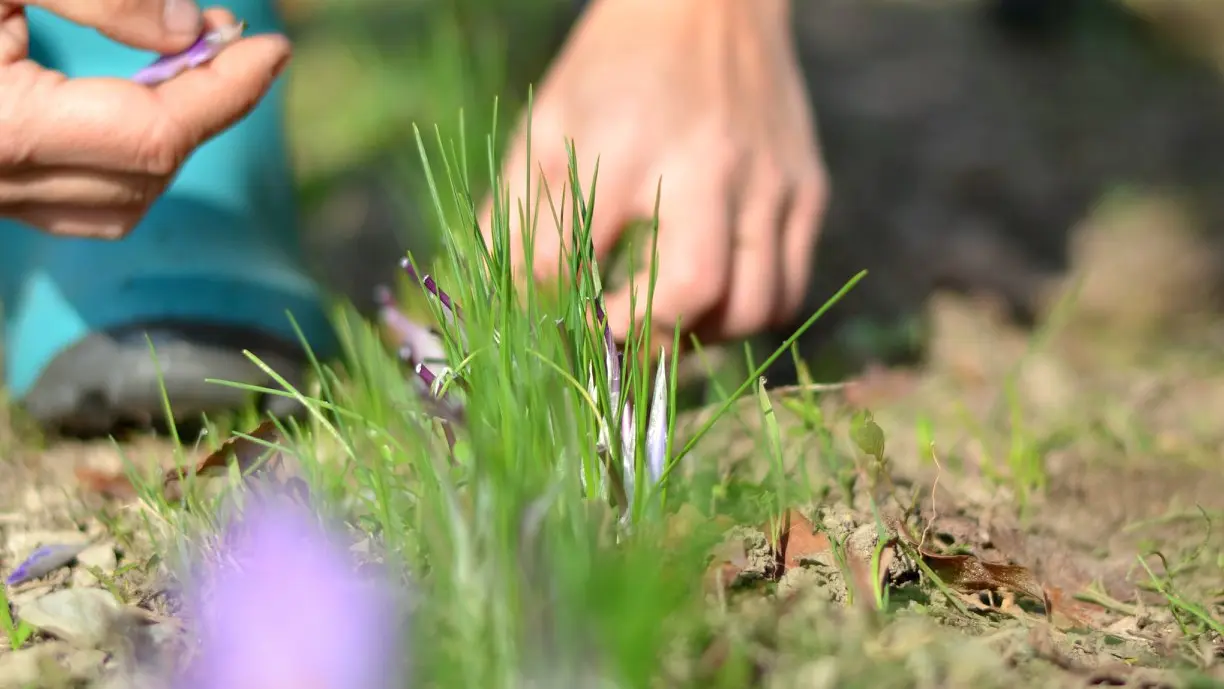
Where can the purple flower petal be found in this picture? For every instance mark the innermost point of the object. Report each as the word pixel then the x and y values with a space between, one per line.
pixel 287 608
pixel 208 46
pixel 417 341
pixel 44 560
pixel 628 423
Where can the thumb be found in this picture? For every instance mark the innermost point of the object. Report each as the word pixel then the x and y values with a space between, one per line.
pixel 163 26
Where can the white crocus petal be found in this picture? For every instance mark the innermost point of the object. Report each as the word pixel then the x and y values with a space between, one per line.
pixel 656 427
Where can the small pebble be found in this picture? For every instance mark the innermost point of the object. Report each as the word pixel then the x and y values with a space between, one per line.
pixel 100 557
pixel 28 666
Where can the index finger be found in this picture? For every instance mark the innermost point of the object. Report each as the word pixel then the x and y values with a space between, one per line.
pixel 694 254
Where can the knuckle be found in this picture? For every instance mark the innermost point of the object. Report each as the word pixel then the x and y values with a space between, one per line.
pixel 696 290
pixel 812 195
pixel 160 152
pixel 26 84
pixel 115 7
pixel 140 193
pixel 752 321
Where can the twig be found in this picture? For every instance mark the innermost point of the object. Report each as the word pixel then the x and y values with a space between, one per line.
pixel 934 512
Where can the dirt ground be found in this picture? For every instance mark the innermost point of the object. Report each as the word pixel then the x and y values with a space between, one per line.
pixel 1131 467
pixel 1128 442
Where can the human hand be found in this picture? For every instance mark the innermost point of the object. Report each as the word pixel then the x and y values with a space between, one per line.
pixel 708 96
pixel 88 157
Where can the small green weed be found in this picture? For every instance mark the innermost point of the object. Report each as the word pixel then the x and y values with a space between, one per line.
pixel 18 633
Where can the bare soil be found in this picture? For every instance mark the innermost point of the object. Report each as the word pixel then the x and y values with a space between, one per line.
pixel 1128 446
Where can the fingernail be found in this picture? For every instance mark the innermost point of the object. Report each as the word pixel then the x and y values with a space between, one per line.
pixel 182 17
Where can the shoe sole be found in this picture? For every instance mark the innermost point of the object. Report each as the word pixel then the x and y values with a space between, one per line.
pixel 108 381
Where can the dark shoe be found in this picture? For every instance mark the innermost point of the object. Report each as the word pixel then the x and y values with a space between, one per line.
pixel 110 380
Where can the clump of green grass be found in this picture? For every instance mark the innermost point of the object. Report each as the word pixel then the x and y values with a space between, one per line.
pixel 539 530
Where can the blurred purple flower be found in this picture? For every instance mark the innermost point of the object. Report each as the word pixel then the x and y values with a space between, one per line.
pixel 203 50
pixel 418 344
pixel 425 352
pixel 285 607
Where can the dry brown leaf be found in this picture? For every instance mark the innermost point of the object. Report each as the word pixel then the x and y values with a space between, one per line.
pixel 239 450
pixel 244 452
pixel 860 583
pixel 250 457
pixel 970 574
pixel 798 540
pixel 1071 612
pixel 110 485
pixel 887 555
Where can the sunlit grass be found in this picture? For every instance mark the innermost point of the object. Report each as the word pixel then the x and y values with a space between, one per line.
pixel 536 557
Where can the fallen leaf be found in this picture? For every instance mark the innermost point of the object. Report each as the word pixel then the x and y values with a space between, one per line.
pixel 240 450
pixel 1077 613
pixel 249 457
pixel 112 485
pixel 799 540
pixel 969 574
pixel 887 554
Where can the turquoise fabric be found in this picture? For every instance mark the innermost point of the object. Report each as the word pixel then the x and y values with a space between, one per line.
pixel 220 247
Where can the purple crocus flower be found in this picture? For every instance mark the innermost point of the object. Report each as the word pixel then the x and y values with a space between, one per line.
pixel 419 346
pixel 628 422
pixel 285 607
pixel 655 449
pixel 208 46
pixel 423 350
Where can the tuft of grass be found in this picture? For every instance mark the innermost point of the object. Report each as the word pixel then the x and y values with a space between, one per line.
pixel 533 557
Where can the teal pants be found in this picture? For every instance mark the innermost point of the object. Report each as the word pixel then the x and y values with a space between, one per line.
pixel 220 248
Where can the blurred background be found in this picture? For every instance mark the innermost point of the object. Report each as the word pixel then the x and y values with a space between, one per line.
pixel 1005 149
